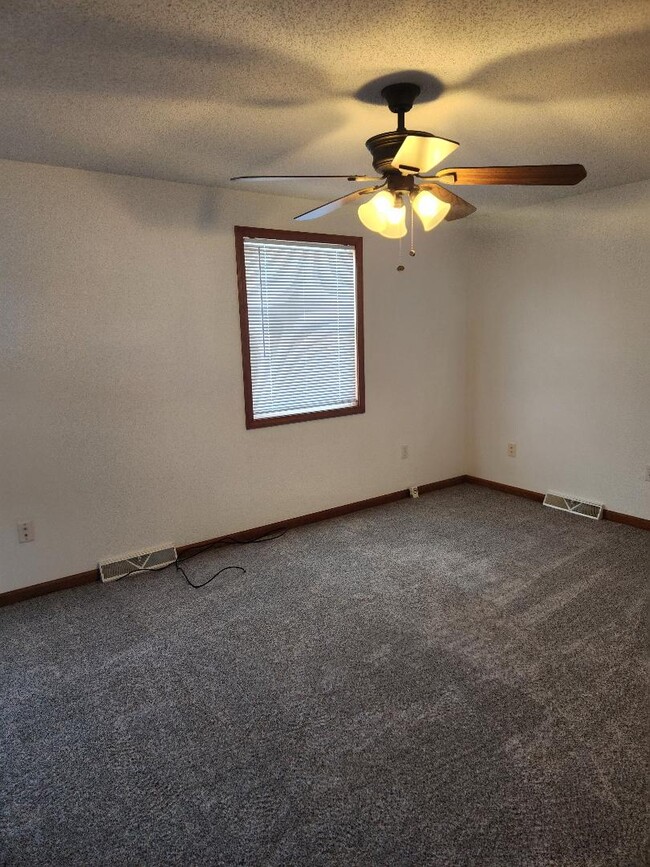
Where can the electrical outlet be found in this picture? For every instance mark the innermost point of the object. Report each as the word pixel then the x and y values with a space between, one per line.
pixel 414 492
pixel 512 450
pixel 647 474
pixel 404 452
pixel 26 531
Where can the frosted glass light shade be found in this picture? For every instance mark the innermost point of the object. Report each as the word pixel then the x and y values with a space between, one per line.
pixel 429 209
pixel 381 215
pixel 373 212
pixel 383 201
pixel 395 224
pixel 370 217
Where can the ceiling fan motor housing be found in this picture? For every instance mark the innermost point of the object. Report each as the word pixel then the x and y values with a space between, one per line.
pixel 385 145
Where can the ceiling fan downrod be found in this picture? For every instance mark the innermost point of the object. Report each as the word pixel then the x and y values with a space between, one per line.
pixel 400 98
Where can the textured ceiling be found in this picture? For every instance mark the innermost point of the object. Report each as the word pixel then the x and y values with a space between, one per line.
pixel 195 90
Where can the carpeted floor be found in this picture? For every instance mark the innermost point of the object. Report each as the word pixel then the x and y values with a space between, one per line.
pixel 455 680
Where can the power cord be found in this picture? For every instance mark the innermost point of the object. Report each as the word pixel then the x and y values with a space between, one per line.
pixel 267 537
pixel 205 583
pixel 226 540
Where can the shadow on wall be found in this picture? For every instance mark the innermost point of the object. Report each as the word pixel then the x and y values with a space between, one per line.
pixel 188 207
pixel 184 206
pixel 619 213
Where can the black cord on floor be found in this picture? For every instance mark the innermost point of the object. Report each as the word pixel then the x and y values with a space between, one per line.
pixel 205 583
pixel 226 540
pixel 232 540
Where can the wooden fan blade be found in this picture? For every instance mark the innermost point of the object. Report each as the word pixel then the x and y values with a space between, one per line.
pixel 355 178
pixel 328 207
pixel 459 207
pixel 547 175
pixel 420 153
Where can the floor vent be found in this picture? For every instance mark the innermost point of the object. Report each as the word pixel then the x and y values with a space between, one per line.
pixel 111 570
pixel 576 507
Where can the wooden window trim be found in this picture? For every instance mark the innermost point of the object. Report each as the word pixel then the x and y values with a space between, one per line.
pixel 242 232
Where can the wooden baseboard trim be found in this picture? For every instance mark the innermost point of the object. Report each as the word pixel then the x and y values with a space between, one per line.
pixel 445 483
pixel 22 593
pixel 507 489
pixel 631 520
pixel 69 581
pixel 325 514
pixel 608 514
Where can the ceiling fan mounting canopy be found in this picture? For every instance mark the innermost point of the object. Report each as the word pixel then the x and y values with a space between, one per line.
pixel 400 97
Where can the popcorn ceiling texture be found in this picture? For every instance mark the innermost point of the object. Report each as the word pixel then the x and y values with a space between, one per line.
pixel 197 91
pixel 454 681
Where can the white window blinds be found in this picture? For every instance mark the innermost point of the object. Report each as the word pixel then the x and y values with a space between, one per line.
pixel 302 323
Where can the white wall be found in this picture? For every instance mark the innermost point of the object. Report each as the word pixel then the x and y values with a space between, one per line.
pixel 122 416
pixel 559 347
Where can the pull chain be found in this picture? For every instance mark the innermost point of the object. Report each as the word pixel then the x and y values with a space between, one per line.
pixel 400 267
pixel 412 250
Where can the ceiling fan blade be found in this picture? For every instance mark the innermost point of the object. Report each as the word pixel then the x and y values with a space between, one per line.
pixel 459 207
pixel 328 207
pixel 547 175
pixel 355 178
pixel 420 153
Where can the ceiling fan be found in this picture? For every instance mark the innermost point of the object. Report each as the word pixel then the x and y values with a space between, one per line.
pixel 402 156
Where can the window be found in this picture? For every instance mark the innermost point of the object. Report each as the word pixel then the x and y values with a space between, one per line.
pixel 300 306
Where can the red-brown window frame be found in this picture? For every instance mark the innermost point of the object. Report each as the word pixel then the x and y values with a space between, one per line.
pixel 242 232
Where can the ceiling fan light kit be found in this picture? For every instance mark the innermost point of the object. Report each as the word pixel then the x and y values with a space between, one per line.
pixel 400 157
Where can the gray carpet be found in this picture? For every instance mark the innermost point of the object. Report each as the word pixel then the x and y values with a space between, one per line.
pixel 450 681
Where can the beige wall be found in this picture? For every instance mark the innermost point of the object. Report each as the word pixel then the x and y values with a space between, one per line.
pixel 559 347
pixel 122 421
